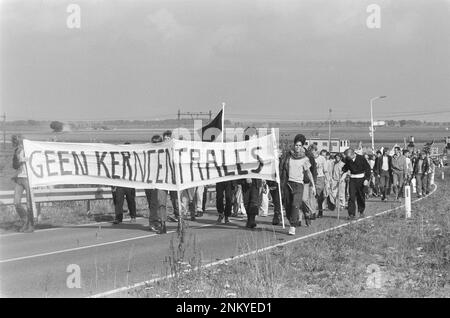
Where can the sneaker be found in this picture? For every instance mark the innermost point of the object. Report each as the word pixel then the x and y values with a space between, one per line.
pixel 172 218
pixel 152 228
pixel 227 221
pixel 291 230
pixel 220 218
pixel 320 214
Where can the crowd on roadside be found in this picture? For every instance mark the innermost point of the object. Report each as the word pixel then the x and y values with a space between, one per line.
pixel 311 181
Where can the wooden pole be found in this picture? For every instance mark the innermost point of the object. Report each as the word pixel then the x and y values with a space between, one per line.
pixel 30 189
pixel 277 172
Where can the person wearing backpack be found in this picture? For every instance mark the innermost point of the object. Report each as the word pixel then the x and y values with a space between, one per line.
pixel 21 184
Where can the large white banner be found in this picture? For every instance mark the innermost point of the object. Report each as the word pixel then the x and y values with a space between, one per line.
pixel 172 165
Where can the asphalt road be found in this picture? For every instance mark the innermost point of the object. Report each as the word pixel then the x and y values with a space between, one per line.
pixel 111 256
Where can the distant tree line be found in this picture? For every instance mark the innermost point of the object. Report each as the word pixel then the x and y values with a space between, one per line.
pixel 58 126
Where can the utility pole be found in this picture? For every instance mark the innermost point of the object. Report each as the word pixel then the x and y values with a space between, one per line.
pixel 329 130
pixel 4 131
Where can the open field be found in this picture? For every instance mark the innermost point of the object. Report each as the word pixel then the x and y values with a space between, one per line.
pixel 385 136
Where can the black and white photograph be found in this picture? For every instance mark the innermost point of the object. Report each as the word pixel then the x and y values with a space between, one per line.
pixel 225 156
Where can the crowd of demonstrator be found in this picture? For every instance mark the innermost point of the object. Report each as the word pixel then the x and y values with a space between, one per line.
pixel 310 180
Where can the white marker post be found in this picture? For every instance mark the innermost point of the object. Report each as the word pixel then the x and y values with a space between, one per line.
pixel 407 201
pixel 442 173
pixel 414 186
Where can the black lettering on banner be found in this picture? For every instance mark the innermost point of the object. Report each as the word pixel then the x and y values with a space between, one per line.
pixel 195 159
pixel 149 152
pixel 224 166
pixel 100 162
pixel 179 162
pixel 142 170
pixel 169 165
pixel 114 163
pixel 160 151
pixel 78 164
pixel 211 153
pixel 41 169
pixel 239 162
pixel 126 164
pixel 61 163
pixel 49 161
pixel 257 157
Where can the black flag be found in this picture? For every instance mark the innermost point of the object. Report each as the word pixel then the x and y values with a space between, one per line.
pixel 216 128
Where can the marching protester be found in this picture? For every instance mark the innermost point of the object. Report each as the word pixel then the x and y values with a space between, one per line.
pixel 274 194
pixel 337 182
pixel 308 196
pixel 359 170
pixel 118 199
pixel 322 179
pixel 167 136
pixel 157 200
pixel 420 171
pixel 224 190
pixel 252 189
pixel 399 172
pixel 294 167
pixel 20 179
pixel 130 195
pixel 383 169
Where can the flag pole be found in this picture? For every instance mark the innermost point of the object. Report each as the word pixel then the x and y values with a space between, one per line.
pixel 277 172
pixel 223 120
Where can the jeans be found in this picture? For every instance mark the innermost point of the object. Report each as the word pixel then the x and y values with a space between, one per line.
pixel 22 185
pixel 384 182
pixel 356 195
pixel 398 179
pixel 130 195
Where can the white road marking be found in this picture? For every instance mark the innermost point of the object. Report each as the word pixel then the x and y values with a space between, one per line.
pixel 267 248
pixel 89 246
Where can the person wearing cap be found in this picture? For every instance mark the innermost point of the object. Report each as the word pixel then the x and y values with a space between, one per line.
pixel 20 179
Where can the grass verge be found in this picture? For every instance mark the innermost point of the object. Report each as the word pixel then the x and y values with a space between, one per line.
pixel 386 256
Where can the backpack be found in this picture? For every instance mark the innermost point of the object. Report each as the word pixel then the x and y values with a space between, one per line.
pixel 16 162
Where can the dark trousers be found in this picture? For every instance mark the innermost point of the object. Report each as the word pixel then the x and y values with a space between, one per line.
pixel 293 200
pixel 224 189
pixel 129 194
pixel 384 182
pixel 276 201
pixel 356 195
pixel 156 200
pixel 174 200
pixel 250 192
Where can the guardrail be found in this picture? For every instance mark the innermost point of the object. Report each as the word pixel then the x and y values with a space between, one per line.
pixel 68 194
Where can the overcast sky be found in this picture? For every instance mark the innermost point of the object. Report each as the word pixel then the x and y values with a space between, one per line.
pixel 266 59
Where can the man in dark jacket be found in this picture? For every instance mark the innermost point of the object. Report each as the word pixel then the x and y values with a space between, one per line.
pixel 383 170
pixel 359 170
pixel 420 171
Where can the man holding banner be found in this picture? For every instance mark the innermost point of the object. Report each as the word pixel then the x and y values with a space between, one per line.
pixel 174 165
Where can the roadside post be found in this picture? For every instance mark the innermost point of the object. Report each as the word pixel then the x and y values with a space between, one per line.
pixel 414 186
pixel 407 201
